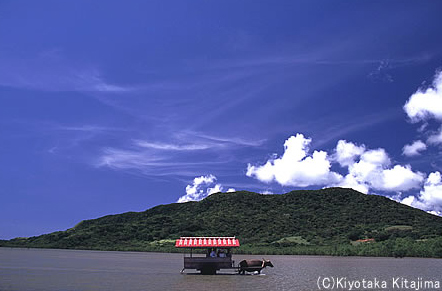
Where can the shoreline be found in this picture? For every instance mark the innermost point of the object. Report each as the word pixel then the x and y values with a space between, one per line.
pixel 186 252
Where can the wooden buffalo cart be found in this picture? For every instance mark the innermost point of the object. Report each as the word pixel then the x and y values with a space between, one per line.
pixel 216 254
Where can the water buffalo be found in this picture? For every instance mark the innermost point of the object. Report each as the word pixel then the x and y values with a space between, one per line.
pixel 253 265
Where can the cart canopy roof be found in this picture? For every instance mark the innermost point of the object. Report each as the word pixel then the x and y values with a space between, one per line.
pixel 207 242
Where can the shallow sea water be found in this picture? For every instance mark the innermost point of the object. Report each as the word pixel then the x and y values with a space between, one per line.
pixel 56 270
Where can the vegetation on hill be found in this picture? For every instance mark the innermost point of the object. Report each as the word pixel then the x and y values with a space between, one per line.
pixel 324 222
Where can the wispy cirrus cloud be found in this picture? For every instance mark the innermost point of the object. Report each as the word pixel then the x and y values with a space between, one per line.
pixel 153 164
pixel 89 128
pixel 330 129
pixel 381 73
pixel 182 156
pixel 172 147
pixel 127 159
pixel 51 71
pixel 59 137
pixel 219 140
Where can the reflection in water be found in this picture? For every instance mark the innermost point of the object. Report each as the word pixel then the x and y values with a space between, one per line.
pixel 54 270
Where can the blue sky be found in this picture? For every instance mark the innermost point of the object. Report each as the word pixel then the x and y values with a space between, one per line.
pixel 115 106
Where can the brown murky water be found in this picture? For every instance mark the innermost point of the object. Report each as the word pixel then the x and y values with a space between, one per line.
pixel 56 270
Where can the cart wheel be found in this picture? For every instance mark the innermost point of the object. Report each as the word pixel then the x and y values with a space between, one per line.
pixel 208 271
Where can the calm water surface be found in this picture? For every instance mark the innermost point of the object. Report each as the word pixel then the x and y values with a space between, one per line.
pixel 57 270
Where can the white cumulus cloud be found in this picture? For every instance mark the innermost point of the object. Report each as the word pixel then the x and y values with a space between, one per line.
pixel 296 167
pixel 202 187
pixel 366 169
pixel 347 152
pixel 430 197
pixel 436 138
pixel 425 104
pixel 266 192
pixel 373 170
pixel 401 178
pixel 414 149
pixel 350 181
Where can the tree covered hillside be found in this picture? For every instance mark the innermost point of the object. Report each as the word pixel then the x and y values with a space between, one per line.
pixel 328 221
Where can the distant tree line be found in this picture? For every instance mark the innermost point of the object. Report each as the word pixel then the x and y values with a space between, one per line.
pixel 315 222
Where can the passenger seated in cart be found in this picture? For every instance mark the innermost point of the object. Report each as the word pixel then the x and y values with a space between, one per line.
pixel 213 254
pixel 222 254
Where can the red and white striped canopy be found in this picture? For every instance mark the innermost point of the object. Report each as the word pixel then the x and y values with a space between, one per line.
pixel 206 242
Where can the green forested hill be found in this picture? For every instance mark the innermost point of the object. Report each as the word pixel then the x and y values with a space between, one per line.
pixel 328 221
